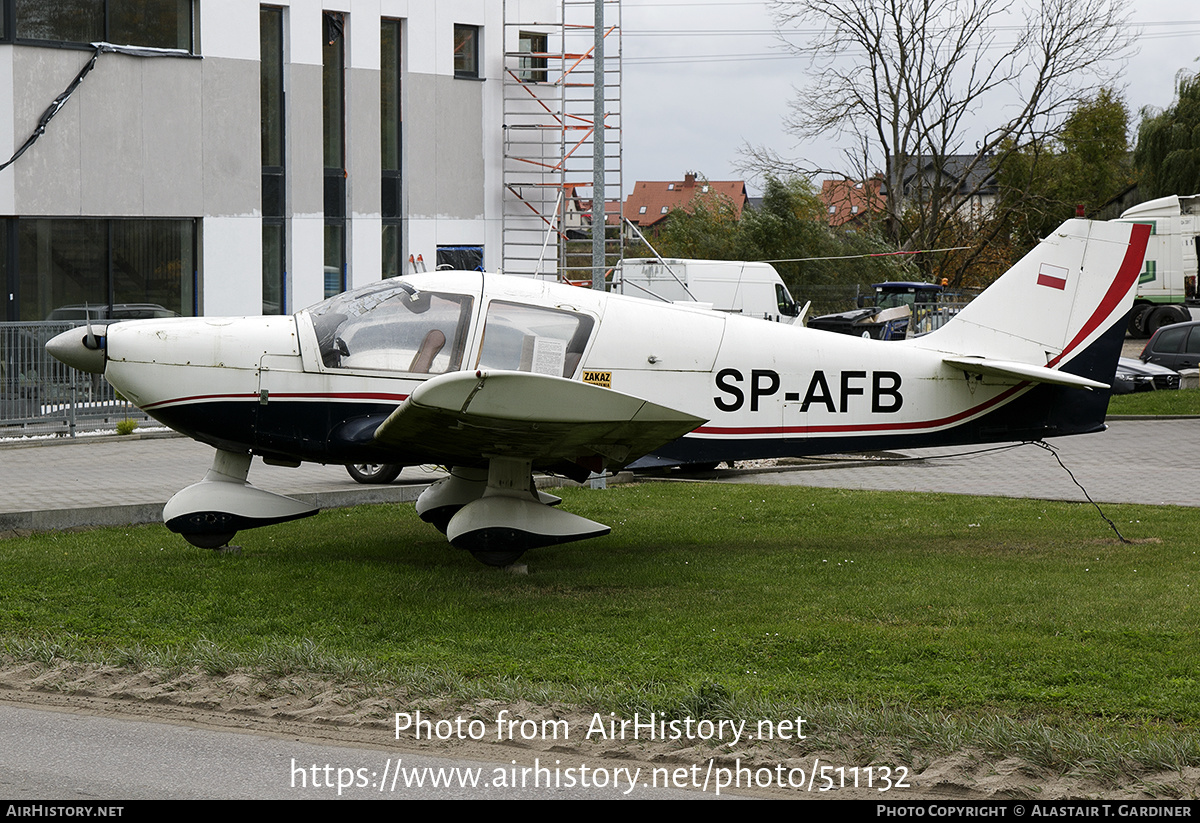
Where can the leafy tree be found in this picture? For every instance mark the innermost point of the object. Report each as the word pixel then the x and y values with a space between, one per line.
pixel 791 232
pixel 705 230
pixel 1168 150
pixel 1086 164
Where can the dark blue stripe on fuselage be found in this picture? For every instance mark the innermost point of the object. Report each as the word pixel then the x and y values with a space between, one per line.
pixel 319 432
pixel 1045 410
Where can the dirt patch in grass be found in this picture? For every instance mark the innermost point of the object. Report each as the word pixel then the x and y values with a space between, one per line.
pixel 308 707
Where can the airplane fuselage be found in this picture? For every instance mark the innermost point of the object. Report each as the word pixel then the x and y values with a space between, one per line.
pixel 766 389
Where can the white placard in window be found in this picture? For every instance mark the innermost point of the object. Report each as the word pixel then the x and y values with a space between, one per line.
pixel 549 356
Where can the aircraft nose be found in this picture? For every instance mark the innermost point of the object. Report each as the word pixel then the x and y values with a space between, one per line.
pixel 82 348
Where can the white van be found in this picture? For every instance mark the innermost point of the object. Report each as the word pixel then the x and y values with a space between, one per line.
pixel 752 289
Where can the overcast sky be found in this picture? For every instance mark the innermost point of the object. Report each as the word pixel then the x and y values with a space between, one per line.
pixel 702 78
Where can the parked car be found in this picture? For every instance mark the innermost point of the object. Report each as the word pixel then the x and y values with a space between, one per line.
pixel 104 312
pixel 1176 347
pixel 1134 376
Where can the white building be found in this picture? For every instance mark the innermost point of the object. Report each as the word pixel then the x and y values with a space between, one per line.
pixel 276 153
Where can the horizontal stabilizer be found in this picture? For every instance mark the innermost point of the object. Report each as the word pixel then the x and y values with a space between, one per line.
pixel 1022 371
pixel 530 416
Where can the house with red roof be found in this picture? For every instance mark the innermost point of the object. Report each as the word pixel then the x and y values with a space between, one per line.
pixel 852 201
pixel 651 201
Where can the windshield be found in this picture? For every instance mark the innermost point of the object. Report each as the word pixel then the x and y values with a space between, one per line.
pixel 392 326
pixel 892 299
pixel 910 298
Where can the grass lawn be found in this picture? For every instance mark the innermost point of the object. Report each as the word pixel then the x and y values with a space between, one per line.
pixel 1184 401
pixel 706 599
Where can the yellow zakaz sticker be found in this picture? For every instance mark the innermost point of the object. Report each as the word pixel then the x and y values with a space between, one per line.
pixel 598 378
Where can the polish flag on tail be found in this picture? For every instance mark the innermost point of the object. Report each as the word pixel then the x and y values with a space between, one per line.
pixel 1053 276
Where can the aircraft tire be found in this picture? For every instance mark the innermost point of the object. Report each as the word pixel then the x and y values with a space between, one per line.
pixel 440 518
pixel 497 558
pixel 374 473
pixel 209 541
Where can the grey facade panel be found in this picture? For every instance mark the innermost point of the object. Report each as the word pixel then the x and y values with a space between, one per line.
pixel 141 137
pixel 172 142
pixel 443 160
pixel 363 141
pixel 46 178
pixel 111 154
pixel 231 137
pixel 304 161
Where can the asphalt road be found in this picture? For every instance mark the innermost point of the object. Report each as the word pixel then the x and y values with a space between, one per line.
pixel 68 756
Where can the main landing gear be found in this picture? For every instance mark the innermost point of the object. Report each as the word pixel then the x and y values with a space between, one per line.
pixel 497 514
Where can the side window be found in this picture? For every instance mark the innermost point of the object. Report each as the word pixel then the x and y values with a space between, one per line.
pixel 787 306
pixel 1193 343
pixel 1169 340
pixel 517 337
pixel 393 328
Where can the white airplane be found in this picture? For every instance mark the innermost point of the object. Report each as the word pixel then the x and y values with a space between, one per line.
pixel 497 377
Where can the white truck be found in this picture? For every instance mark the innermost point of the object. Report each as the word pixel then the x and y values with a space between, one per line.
pixel 1167 284
pixel 752 289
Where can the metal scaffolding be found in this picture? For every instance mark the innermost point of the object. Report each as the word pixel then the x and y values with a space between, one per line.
pixel 549 82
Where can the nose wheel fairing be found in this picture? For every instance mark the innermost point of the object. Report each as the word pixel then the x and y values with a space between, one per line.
pixel 208 514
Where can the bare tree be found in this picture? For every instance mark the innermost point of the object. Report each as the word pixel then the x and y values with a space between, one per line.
pixel 934 94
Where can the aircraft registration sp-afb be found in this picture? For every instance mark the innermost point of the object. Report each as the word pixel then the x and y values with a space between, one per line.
pixel 497 377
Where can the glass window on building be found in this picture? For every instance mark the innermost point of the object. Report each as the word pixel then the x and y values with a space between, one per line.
pixel 333 83
pixel 533 62
pixel 152 261
pixel 129 267
pixel 466 51
pixel 274 194
pixel 391 142
pixel 164 24
pixel 274 268
pixel 460 258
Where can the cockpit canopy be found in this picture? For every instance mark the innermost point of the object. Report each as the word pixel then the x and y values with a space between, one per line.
pixel 393 326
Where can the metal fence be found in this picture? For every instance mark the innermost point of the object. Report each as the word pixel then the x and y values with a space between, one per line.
pixel 39 395
pixel 927 317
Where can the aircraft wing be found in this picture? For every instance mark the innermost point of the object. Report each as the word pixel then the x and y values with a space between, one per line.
pixel 1022 371
pixel 464 416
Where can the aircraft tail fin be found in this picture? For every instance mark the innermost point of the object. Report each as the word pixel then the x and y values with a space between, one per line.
pixel 1062 307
